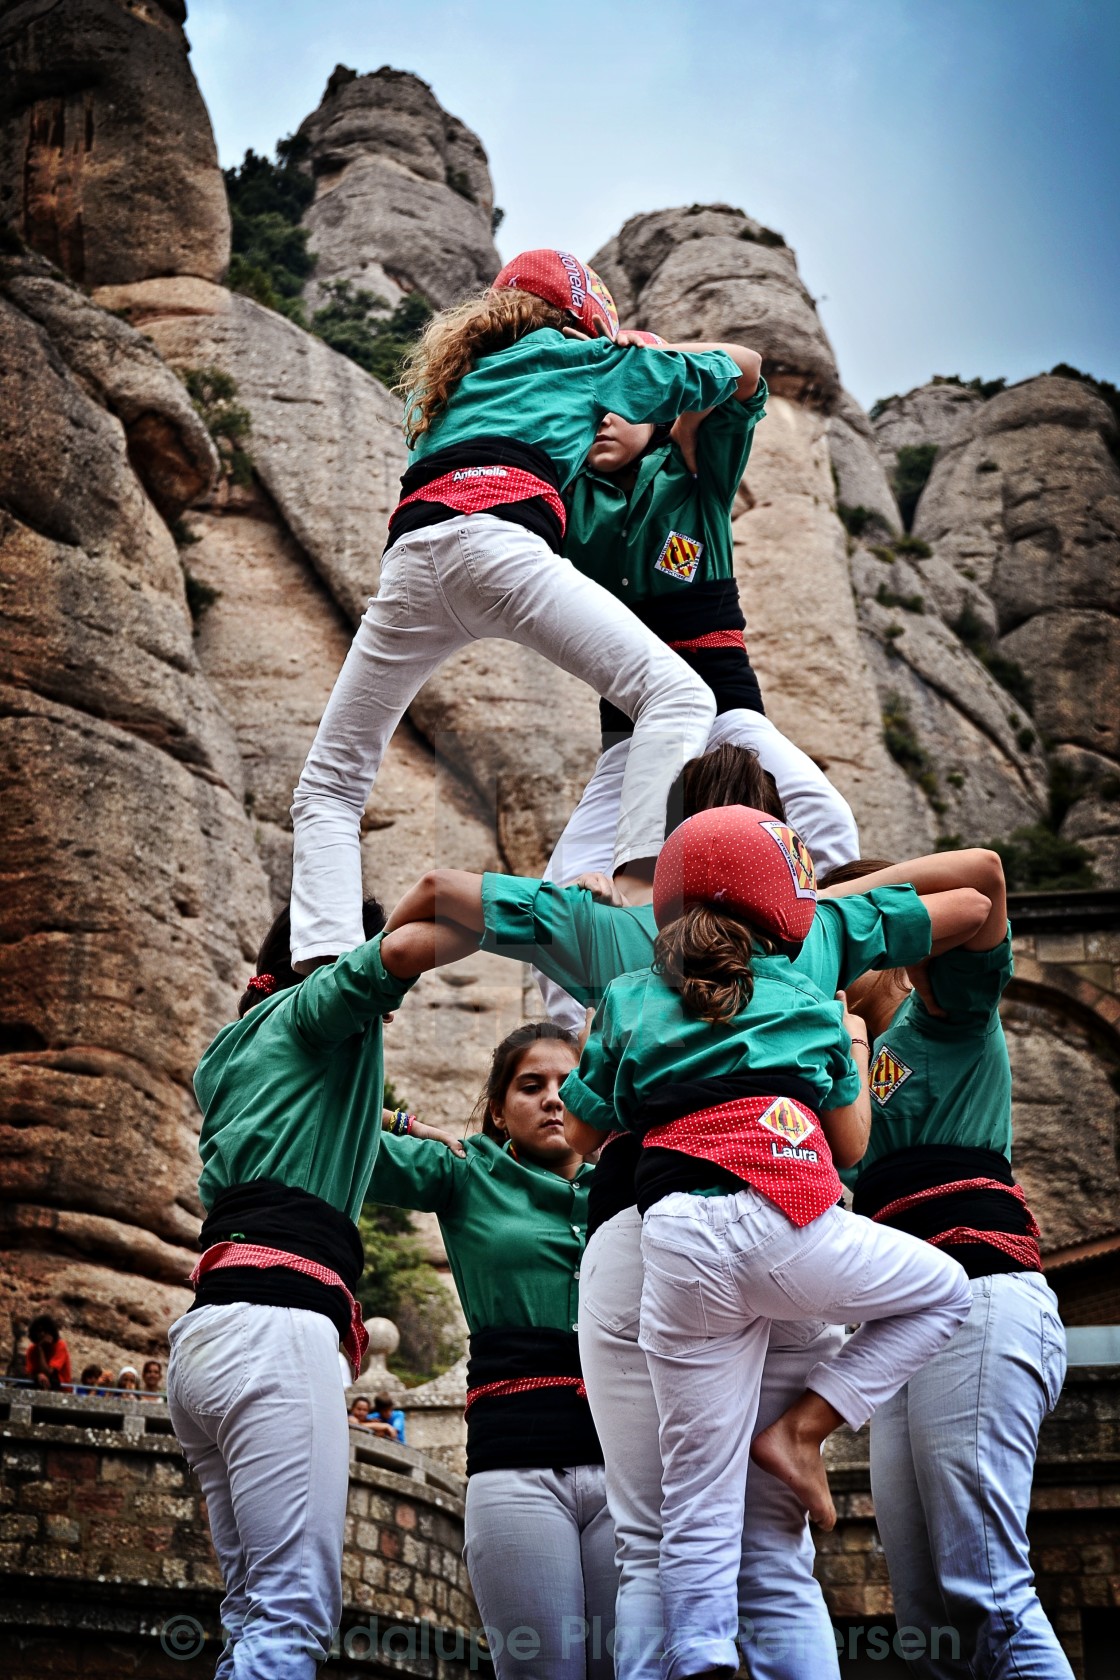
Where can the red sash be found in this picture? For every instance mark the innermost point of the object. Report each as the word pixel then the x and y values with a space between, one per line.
pixel 477 489
pixel 772 1143
pixel 225 1254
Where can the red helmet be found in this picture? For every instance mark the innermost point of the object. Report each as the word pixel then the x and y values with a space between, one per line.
pixel 741 860
pixel 561 279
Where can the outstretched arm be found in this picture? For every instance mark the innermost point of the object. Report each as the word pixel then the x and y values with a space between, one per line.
pixel 419 946
pixel 749 363
pixel 445 895
pixel 942 872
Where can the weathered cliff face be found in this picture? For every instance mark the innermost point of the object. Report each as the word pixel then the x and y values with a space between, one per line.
pixel 149 770
pixel 107 161
pixel 133 891
pixel 403 196
pixel 709 271
pixel 1024 504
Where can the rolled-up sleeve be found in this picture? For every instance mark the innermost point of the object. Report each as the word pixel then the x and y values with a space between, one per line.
pixel 342 998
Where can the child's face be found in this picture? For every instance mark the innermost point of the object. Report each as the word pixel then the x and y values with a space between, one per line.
pixel 617 443
pixel 532 1114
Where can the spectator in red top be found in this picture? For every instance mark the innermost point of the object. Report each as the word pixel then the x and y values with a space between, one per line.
pixel 48 1357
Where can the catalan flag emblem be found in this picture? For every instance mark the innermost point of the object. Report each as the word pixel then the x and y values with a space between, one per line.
pixel 888 1072
pixel 680 557
pixel 796 854
pixel 787 1120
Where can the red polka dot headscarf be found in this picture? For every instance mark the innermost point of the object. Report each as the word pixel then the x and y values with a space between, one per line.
pixel 562 280
pixel 743 861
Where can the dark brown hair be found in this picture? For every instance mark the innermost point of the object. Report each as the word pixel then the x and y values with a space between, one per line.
pixel 854 871
pixel 504 1065
pixel 275 954
pixel 705 955
pixel 727 775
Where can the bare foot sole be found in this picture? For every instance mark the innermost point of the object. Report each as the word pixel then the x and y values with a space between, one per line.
pixel 797 1462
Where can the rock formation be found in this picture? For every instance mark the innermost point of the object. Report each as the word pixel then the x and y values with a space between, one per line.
pixel 403 197
pixel 133 891
pixel 107 161
pixel 150 757
pixel 1024 505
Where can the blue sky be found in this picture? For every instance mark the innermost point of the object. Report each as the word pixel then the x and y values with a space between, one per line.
pixel 947 170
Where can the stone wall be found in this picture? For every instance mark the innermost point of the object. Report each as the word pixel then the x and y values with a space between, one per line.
pixel 106 1565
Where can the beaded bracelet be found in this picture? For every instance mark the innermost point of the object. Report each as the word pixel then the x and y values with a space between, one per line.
pixel 864 1042
pixel 401 1123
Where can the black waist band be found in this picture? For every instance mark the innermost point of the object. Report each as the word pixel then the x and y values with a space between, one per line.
pixel 612 1182
pixel 992 1207
pixel 534 513
pixel 275 1215
pixel 541 1428
pixel 707 606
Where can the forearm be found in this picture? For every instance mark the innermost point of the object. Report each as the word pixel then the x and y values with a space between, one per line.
pixel 449 895
pixel 939 872
pixel 419 946
pixel 955 916
pixel 749 362
pixel 848 1129
pixel 584 1139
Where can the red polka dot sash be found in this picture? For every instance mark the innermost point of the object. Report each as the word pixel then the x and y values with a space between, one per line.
pixel 478 489
pixel 772 1143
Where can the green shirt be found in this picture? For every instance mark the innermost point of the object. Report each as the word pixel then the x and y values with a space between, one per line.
pixel 618 537
pixel 945 1081
pixel 293 1090
pixel 553 391
pixel 514 1232
pixel 642 1039
pixel 584 945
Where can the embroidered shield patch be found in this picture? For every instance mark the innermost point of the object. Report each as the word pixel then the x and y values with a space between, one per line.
pixel 888 1072
pixel 796 854
pixel 787 1120
pixel 680 557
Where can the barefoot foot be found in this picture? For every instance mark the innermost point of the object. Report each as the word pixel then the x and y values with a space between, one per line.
pixel 793 1455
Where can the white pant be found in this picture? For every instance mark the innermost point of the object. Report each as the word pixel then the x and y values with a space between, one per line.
pixel 540 1555
pixel 257 1406
pixel 820 815
pixel 784 1626
pixel 717 1270
pixel 442 587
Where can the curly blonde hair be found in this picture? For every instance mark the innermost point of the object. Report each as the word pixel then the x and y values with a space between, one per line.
pixel 705 955
pixel 455 339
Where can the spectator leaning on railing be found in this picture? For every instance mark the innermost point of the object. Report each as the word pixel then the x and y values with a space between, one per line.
pixel 48 1358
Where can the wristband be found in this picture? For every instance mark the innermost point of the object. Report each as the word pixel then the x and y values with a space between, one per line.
pixel 864 1042
pixel 401 1123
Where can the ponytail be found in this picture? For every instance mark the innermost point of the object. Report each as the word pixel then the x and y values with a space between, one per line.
pixel 705 955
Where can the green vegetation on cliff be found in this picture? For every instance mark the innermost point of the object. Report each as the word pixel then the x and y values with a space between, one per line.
pixel 271 264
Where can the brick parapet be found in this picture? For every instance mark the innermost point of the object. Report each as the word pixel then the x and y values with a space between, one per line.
pixel 103 1539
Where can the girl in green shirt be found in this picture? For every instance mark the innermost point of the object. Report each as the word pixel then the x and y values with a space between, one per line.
pixel 744 1080
pixel 953 1453
pixel 512 1210
pixel 503 397
pixel 290 1094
